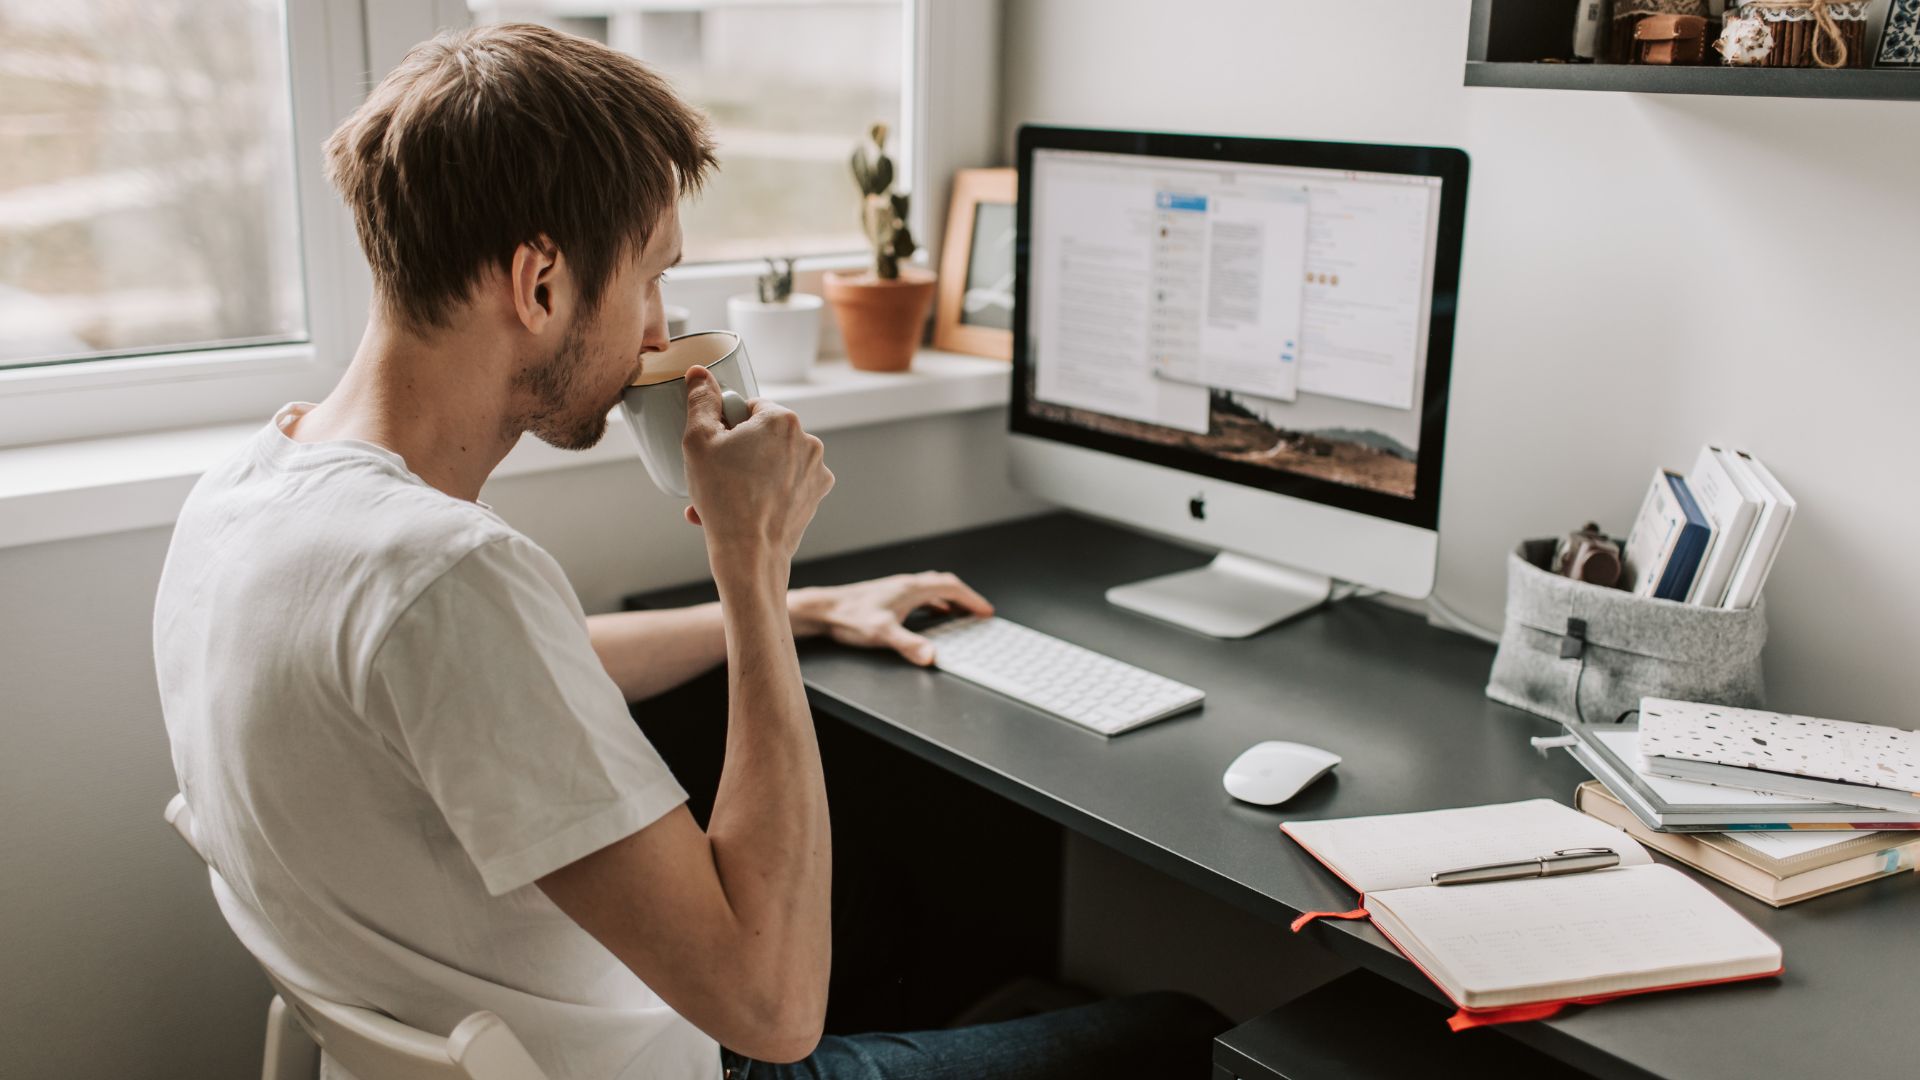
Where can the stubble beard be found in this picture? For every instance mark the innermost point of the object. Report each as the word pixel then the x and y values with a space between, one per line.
pixel 560 417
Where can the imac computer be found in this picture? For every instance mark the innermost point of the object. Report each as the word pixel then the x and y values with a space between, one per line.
pixel 1244 344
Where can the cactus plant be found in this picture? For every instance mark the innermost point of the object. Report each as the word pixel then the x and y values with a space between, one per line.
pixel 776 285
pixel 882 312
pixel 883 211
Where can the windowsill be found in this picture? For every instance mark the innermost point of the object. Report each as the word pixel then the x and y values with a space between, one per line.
pixel 93 487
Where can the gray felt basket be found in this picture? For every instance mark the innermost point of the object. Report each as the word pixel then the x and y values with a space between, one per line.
pixel 1578 652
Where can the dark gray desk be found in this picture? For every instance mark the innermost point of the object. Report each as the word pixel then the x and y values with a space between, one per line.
pixel 1402 703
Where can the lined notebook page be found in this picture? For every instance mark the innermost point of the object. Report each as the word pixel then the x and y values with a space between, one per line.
pixel 1399 851
pixel 1544 939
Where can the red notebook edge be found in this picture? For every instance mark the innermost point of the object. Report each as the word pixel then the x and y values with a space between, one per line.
pixel 1463 1018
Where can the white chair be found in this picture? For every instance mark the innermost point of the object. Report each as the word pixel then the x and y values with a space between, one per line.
pixel 366 1044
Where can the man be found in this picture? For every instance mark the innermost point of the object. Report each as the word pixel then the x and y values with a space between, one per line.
pixel 407 750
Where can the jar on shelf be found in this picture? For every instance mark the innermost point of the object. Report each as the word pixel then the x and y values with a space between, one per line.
pixel 1621 48
pixel 1796 33
pixel 1670 39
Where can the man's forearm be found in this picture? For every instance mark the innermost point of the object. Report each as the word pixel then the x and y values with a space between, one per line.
pixel 651 652
pixel 769 828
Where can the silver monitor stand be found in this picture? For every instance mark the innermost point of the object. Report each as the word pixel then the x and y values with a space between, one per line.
pixel 1231 597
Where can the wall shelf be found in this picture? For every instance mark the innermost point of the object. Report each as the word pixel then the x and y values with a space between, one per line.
pixel 1885 85
pixel 1507 37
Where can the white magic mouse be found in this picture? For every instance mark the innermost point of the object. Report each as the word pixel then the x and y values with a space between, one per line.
pixel 1273 772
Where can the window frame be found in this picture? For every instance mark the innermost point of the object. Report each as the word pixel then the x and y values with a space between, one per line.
pixel 947 121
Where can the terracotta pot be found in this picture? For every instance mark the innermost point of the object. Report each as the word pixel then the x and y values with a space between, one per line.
pixel 881 321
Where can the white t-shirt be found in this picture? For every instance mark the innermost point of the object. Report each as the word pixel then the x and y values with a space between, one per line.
pixel 388 722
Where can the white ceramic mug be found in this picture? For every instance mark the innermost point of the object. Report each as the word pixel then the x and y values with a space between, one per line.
pixel 656 403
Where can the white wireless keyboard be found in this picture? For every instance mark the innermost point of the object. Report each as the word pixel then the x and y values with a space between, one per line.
pixel 1058 677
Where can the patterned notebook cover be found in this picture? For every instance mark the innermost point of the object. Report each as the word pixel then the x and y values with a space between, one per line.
pixel 1870 754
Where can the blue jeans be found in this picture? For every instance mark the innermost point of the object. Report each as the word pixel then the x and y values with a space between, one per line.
pixel 1158 1036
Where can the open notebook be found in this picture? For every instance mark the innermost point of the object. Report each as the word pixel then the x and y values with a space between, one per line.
pixel 1531 945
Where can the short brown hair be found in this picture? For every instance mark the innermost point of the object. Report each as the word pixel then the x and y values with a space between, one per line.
pixel 486 139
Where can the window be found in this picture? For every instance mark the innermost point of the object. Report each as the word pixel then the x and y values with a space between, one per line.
pixel 791 87
pixel 171 255
pixel 147 194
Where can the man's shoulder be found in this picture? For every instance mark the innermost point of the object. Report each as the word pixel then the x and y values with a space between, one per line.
pixel 356 530
pixel 416 529
pixel 346 493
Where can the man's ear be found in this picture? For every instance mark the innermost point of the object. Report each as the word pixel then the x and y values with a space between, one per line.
pixel 536 275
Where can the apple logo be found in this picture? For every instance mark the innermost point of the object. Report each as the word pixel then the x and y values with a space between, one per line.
pixel 1197 506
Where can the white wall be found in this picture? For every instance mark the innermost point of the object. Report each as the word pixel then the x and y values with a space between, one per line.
pixel 113 959
pixel 1643 273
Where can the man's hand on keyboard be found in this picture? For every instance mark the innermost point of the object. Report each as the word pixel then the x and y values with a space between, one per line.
pixel 872 614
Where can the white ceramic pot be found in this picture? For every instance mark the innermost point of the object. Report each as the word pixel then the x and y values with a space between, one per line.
pixel 784 337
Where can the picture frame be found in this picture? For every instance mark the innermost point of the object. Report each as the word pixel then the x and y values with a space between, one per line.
pixel 1899 43
pixel 975 309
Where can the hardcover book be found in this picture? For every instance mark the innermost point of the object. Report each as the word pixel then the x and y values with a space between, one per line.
pixel 1769 530
pixel 1729 500
pixel 1676 579
pixel 1655 529
pixel 1842 750
pixel 1669 537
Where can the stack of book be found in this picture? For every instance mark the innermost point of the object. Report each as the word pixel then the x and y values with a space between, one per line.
pixel 1683 782
pixel 1709 537
pixel 1776 868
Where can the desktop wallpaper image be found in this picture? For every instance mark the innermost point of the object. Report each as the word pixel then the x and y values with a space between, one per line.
pixel 1239 430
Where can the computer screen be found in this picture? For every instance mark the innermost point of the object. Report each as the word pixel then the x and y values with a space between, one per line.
pixel 1273 313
